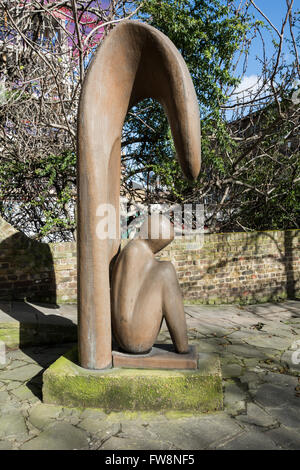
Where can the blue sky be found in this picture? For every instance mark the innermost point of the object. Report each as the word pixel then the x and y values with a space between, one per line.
pixel 275 10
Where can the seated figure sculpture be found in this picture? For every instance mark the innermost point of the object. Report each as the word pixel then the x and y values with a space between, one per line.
pixel 145 291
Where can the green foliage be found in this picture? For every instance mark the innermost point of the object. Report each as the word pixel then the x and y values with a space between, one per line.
pixel 253 173
pixel 256 179
pixel 276 201
pixel 208 34
pixel 43 188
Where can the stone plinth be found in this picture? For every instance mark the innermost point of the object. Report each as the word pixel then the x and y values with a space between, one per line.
pixel 161 356
pixel 65 383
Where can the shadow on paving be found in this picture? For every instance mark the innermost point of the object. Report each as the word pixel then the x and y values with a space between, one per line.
pixel 44 356
pixel 27 274
pixel 42 337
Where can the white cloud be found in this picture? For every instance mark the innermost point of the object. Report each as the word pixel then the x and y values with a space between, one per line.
pixel 248 84
pixel 251 86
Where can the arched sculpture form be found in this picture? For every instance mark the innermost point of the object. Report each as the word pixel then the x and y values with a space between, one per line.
pixel 134 62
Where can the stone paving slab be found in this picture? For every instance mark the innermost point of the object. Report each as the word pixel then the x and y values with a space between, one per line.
pixel 58 436
pixel 250 440
pixel 25 324
pixel 260 384
pixel 11 311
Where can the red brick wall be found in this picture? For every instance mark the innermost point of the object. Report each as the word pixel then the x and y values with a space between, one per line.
pixel 229 267
pixel 239 267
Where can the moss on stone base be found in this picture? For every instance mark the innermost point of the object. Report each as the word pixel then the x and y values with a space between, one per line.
pixel 10 334
pixel 65 383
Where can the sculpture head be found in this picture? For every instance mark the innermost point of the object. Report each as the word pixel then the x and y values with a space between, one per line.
pixel 157 231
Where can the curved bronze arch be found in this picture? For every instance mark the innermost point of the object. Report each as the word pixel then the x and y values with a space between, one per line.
pixel 135 61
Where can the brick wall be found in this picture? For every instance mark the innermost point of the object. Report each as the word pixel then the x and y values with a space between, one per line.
pixel 36 271
pixel 239 267
pixel 229 267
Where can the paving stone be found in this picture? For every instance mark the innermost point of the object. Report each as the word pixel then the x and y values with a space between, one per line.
pixel 12 425
pixel 58 436
pixel 256 415
pixel 251 363
pixel 99 427
pixel 285 437
pixel 246 350
pixel 253 379
pixel 278 329
pixel 234 398
pixel 231 370
pixel 287 415
pixel 291 304
pixel 15 364
pixel 252 440
pixel 286 381
pixel 266 308
pixel 24 393
pixel 93 414
pixel 214 330
pixel 21 374
pixel 42 415
pixel 137 430
pixel 5 445
pixel 238 335
pixel 10 406
pixel 19 354
pixel 4 396
pixel 118 443
pixel 236 408
pixel 69 411
pixel 72 420
pixel 270 395
pixel 228 358
pixel 71 415
pixel 12 385
pixel 207 347
pixel 265 341
pixel 196 434
pixel 233 392
pixel 272 421
pixel 293 322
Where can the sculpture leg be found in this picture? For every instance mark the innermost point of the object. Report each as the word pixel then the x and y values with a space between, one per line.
pixel 173 310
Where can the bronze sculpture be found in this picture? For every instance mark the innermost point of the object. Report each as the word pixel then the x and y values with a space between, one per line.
pixel 134 62
pixel 145 290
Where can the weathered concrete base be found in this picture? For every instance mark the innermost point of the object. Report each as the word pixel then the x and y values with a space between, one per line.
pixel 65 383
